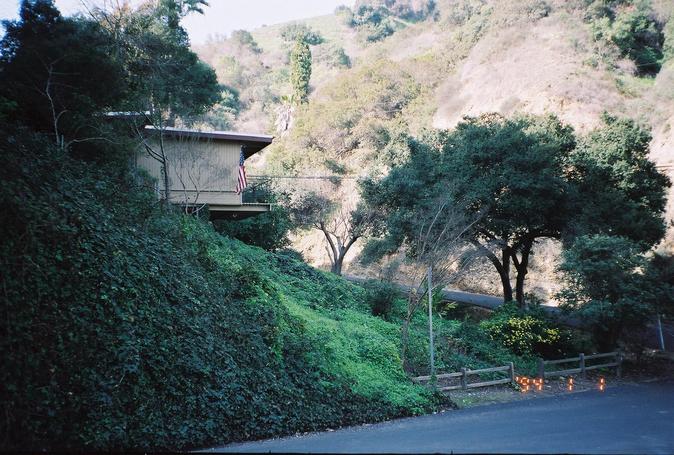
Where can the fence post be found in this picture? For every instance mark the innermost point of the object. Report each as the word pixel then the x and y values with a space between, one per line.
pixel 512 373
pixel 582 365
pixel 619 359
pixel 541 368
pixel 464 381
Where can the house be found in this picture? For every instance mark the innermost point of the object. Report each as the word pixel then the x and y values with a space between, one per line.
pixel 203 168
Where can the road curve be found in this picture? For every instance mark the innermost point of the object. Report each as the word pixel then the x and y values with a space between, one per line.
pixel 489 302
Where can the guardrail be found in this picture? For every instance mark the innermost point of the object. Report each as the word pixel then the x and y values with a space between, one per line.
pixel 464 373
pixel 582 367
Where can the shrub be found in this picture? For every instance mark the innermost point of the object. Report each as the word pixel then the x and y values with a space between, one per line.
pixel 634 31
pixel 379 296
pixel 526 332
pixel 268 230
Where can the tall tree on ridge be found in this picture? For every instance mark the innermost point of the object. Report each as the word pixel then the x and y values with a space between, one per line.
pixel 300 70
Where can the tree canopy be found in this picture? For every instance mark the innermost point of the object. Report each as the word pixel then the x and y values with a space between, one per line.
pixel 164 76
pixel 56 73
pixel 300 70
pixel 607 287
pixel 523 179
pixel 616 189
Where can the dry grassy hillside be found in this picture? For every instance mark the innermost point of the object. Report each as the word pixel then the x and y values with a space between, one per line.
pixel 467 58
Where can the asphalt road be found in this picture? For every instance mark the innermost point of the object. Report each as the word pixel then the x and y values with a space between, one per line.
pixel 625 419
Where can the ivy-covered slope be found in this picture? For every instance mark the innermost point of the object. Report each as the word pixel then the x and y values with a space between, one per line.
pixel 126 327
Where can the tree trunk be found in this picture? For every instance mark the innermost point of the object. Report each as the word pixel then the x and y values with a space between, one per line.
pixel 502 267
pixel 339 250
pixel 337 265
pixel 504 272
pixel 521 266
pixel 164 166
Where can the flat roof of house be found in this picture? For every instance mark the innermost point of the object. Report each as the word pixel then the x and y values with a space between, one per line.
pixel 253 142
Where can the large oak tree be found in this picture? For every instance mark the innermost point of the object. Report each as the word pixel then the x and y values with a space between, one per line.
pixel 524 179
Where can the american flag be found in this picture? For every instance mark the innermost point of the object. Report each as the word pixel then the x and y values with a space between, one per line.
pixel 241 180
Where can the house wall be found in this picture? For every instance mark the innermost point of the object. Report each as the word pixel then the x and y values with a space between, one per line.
pixel 200 171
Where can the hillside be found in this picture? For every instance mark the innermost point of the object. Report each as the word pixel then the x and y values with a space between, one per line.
pixel 467 58
pixel 134 328
pixel 133 321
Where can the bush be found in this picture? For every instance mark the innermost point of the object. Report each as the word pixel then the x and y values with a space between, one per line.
pixel 526 332
pixel 379 296
pixel 268 230
pixel 634 31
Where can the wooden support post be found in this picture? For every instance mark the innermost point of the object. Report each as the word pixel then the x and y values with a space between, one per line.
pixel 430 321
pixel 464 379
pixel 512 373
pixel 582 365
pixel 541 368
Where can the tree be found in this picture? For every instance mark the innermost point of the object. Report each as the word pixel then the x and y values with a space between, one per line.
pixel 341 226
pixel 618 201
pixel 191 161
pixel 606 286
pixel 56 75
pixel 635 31
pixel 528 180
pixel 615 189
pixel 167 80
pixel 373 20
pixel 300 70
pixel 434 238
pixel 507 174
pixel 660 269
pixel 302 32
pixel 245 39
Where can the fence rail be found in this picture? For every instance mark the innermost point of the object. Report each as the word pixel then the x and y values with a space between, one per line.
pixel 464 373
pixel 582 367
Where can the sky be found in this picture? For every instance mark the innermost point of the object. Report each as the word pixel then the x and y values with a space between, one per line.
pixel 222 17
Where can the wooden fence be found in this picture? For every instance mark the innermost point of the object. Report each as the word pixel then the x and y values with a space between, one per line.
pixel 464 373
pixel 582 367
